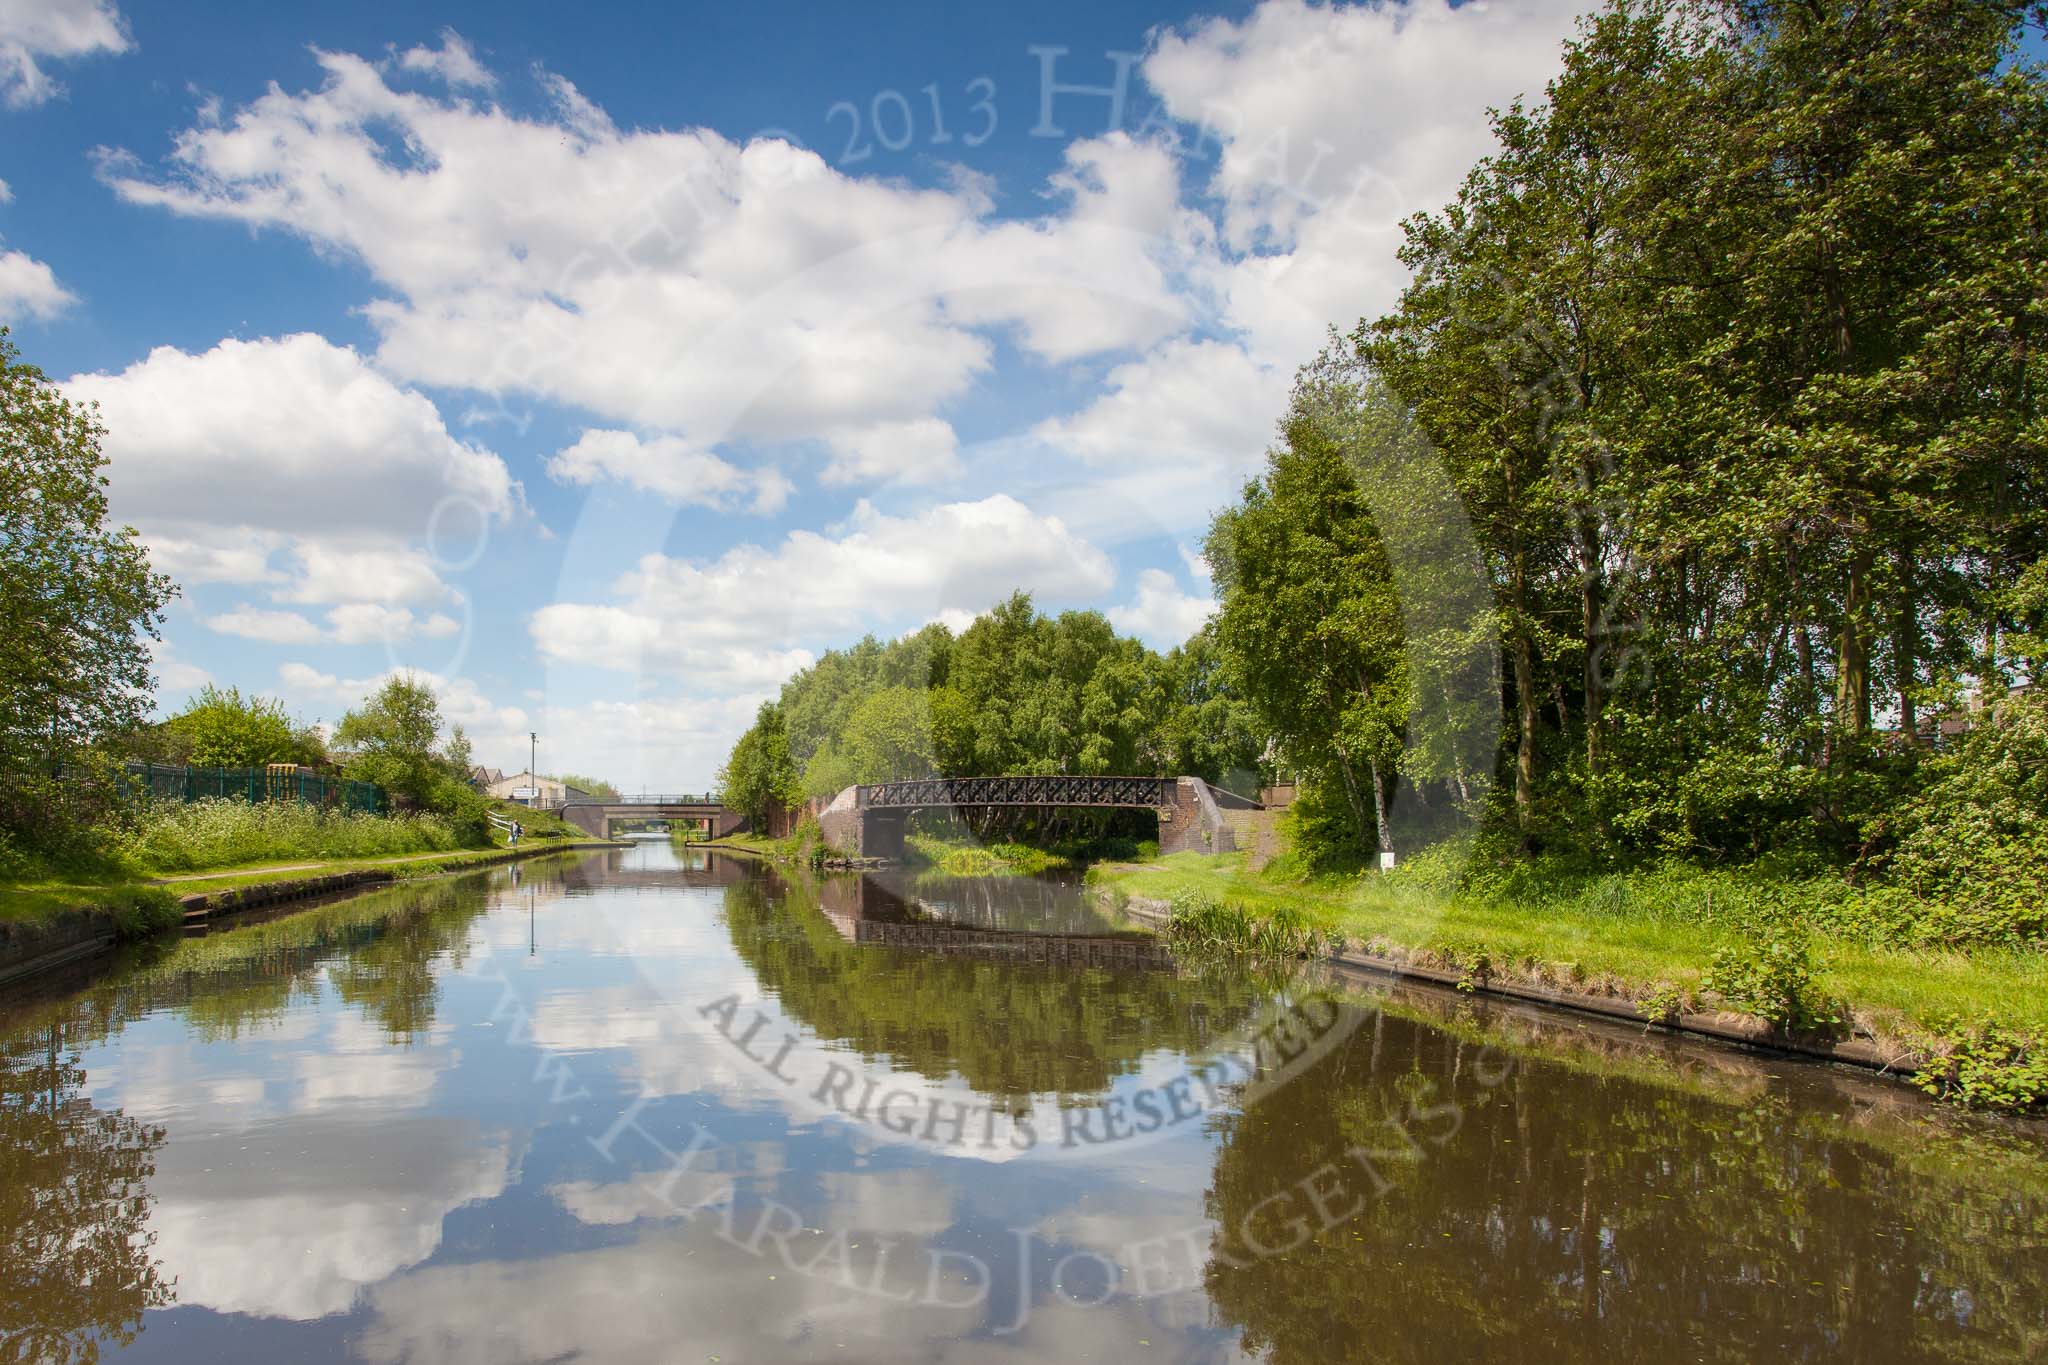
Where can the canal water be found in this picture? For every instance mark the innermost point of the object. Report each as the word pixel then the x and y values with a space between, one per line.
pixel 655 1105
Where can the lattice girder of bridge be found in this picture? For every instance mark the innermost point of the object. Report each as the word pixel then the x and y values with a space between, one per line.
pixel 1047 792
pixel 871 819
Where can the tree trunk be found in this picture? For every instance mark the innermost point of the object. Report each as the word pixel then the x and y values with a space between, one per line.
pixel 1591 632
pixel 1802 646
pixel 1525 747
pixel 1525 700
pixel 1379 811
pixel 1852 650
pixel 1351 793
pixel 1906 648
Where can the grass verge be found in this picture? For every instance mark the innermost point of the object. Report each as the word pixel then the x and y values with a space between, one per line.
pixel 538 824
pixel 964 857
pixel 1667 942
pixel 149 906
pixel 803 846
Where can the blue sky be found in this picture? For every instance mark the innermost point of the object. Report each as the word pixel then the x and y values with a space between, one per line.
pixel 604 368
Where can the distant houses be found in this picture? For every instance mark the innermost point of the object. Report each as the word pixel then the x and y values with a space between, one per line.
pixel 1946 725
pixel 526 789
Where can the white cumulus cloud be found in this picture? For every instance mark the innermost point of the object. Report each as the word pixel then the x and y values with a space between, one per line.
pixel 1328 125
pixel 29 288
pixel 750 617
pixel 923 450
pixel 454 62
pixel 355 623
pixel 1161 613
pixel 290 449
pixel 256 623
pixel 676 282
pixel 35 31
pixel 670 467
pixel 491 727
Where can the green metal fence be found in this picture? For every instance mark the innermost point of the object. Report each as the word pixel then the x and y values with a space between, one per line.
pixel 166 783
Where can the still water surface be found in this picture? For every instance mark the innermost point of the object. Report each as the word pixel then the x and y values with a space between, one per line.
pixel 641 1105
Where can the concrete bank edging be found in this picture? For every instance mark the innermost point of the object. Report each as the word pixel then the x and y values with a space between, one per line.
pixel 72 935
pixel 1742 1030
pixel 31 949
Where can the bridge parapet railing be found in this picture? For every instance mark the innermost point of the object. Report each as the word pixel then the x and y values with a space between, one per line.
pixel 1049 790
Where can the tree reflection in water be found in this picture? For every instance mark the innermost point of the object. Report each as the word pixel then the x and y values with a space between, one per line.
pixel 1009 1029
pixel 76 1269
pixel 76 1265
pixel 1579 1212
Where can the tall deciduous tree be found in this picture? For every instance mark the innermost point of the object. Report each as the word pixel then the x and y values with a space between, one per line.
pixel 1018 691
pixel 1310 616
pixel 394 738
pixel 760 775
pixel 1731 348
pixel 79 603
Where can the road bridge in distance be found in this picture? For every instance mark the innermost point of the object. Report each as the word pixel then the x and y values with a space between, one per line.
pixel 869 820
pixel 597 814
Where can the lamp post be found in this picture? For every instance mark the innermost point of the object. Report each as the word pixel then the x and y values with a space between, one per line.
pixel 533 771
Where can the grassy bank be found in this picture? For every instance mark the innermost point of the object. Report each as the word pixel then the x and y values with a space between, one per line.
pixel 142 911
pixel 213 846
pixel 538 824
pixel 954 854
pixel 1669 940
pixel 749 843
pixel 803 846
pixel 960 856
pixel 403 869
pixel 191 837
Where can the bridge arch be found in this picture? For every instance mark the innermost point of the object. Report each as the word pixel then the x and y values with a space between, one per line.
pixel 869 820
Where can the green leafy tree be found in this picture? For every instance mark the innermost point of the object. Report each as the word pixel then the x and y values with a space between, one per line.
pixel 2025 604
pixel 992 662
pixel 1206 729
pixel 760 775
pixel 889 735
pixel 458 753
pixel 1309 617
pixel 830 771
pixel 220 728
pixel 1727 350
pixel 1970 847
pixel 79 604
pixel 1016 692
pixel 393 740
